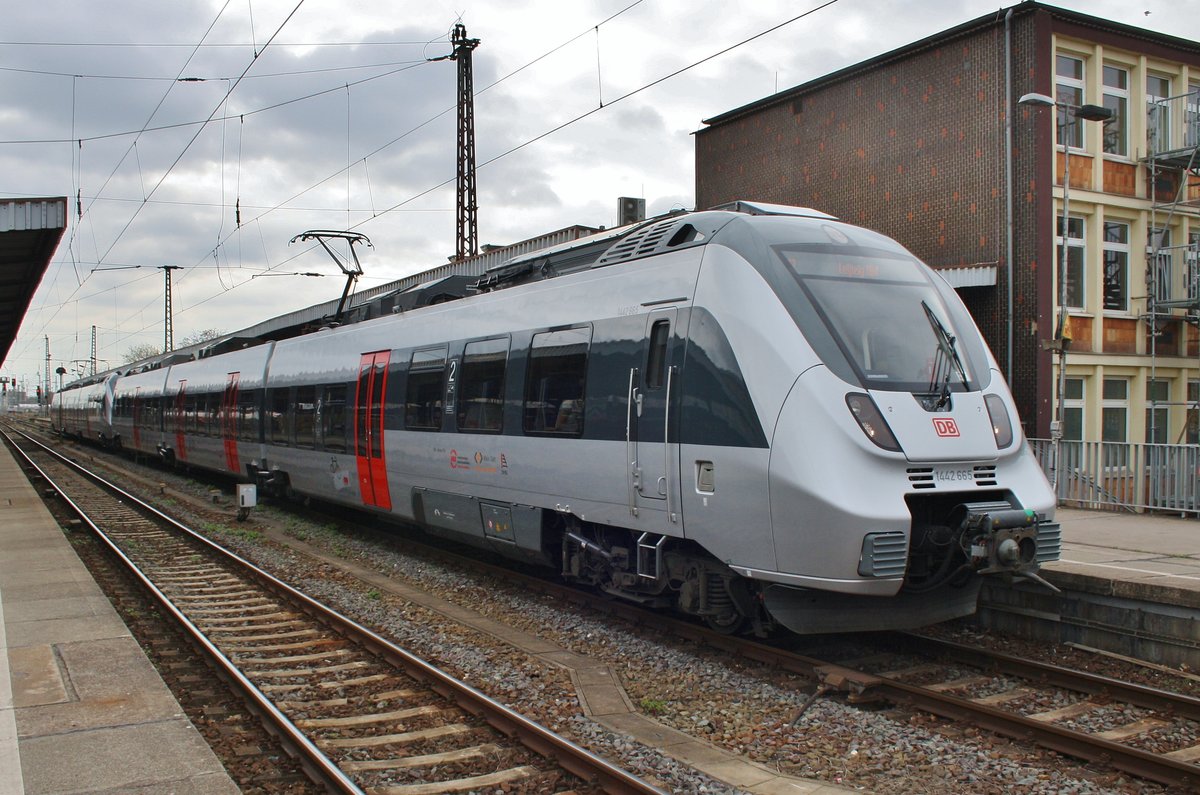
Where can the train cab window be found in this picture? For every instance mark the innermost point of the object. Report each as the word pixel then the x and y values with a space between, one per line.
pixel 656 363
pixel 277 417
pixel 333 419
pixel 554 386
pixel 481 386
pixel 423 394
pixel 305 416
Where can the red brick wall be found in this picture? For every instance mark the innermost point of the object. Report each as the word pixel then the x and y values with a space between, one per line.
pixel 913 148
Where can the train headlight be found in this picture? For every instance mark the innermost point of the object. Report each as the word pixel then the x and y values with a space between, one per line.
pixel 871 421
pixel 1001 423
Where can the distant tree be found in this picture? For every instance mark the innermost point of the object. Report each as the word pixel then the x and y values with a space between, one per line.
pixel 197 337
pixel 141 351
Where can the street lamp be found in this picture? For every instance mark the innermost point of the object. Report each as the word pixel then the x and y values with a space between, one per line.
pixel 1071 115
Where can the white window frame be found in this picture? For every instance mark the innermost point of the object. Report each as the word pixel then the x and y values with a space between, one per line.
pixel 1159 239
pixel 1161 414
pixel 1074 244
pixel 1120 252
pixel 1116 99
pixel 1158 117
pixel 1191 116
pixel 1108 404
pixel 1069 129
pixel 1078 404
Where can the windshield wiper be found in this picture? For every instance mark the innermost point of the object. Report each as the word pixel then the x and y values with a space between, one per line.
pixel 945 361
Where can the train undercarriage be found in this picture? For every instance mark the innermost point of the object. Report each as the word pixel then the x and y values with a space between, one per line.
pixel 944 558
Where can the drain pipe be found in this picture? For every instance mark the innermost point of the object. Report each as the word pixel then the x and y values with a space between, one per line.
pixel 1008 177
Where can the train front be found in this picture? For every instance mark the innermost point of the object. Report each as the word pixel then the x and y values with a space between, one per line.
pixel 899 475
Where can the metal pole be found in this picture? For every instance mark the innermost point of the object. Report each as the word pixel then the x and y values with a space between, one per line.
pixel 1056 427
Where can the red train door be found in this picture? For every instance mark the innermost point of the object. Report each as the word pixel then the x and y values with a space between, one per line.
pixel 180 418
pixel 229 422
pixel 368 429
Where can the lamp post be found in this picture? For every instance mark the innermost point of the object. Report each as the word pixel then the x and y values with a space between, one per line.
pixel 1071 115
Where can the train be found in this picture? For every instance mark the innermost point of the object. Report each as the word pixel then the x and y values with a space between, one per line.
pixel 757 415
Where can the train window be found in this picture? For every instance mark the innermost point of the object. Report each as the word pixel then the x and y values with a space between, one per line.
pixel 201 418
pixel 554 386
pixel 248 415
pixel 305 416
pixel 423 394
pixel 277 417
pixel 481 386
pixel 333 419
pixel 213 413
pixel 656 364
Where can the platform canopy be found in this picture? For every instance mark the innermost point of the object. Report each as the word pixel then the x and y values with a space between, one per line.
pixel 29 233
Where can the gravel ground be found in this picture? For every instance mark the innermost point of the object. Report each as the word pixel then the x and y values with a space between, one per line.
pixel 740 705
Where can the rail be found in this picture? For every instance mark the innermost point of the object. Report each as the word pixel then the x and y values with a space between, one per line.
pixel 568 755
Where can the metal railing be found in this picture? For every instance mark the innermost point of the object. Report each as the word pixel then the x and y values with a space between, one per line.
pixel 1124 476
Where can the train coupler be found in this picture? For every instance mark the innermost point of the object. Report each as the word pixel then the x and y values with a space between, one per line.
pixel 1000 539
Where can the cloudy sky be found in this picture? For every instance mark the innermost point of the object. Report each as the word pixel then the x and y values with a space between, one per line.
pixel 171 120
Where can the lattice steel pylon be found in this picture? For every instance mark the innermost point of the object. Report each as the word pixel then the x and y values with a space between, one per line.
pixel 468 207
pixel 169 333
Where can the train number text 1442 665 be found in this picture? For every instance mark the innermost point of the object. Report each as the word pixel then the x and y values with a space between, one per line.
pixel 942 475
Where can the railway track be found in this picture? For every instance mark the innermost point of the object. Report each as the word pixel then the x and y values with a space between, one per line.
pixel 1147 732
pixel 361 714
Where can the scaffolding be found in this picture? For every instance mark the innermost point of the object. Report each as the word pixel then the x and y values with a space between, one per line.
pixel 1172 164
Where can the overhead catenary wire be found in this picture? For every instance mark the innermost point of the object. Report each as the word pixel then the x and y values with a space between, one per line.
pixel 189 144
pixel 564 125
pixel 398 206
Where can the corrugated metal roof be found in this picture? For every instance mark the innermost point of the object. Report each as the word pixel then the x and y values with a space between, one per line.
pixel 29 233
pixel 969 276
pixel 23 215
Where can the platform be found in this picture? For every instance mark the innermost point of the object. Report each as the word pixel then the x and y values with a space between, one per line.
pixel 1154 550
pixel 1130 585
pixel 81 707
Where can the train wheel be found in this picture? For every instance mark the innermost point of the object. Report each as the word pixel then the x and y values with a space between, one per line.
pixel 726 623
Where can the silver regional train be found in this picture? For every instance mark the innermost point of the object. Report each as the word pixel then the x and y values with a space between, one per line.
pixel 757 415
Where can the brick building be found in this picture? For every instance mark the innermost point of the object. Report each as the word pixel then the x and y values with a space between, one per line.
pixel 930 145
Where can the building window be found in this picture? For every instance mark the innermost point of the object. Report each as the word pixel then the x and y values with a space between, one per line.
pixel 1158 392
pixel 1075 260
pixel 1192 435
pixel 1158 260
pixel 1158 113
pixel 1116 99
pixel 1072 419
pixel 1116 266
pixel 1068 87
pixel 1114 415
pixel 1191 120
pixel 1192 258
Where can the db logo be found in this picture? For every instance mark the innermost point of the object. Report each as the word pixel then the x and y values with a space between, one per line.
pixel 945 427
